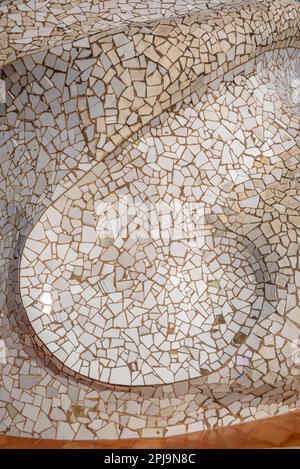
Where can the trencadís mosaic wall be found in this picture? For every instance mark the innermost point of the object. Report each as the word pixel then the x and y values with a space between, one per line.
pixel 195 108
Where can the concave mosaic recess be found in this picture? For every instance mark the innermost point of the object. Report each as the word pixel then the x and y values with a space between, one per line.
pixel 124 302
pixel 151 268
pixel 173 313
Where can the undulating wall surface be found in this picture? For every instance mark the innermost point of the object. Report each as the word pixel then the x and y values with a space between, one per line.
pixel 28 26
pixel 194 103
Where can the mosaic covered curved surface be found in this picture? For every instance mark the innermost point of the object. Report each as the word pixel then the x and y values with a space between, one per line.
pixel 192 105
pixel 143 310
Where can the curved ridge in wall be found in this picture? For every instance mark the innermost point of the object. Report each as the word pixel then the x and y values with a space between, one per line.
pixel 85 117
pixel 96 305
